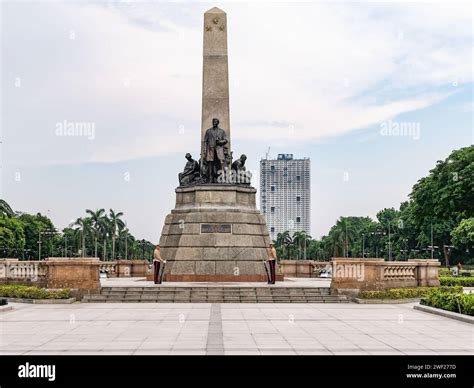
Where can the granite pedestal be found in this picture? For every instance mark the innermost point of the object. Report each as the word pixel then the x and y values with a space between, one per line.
pixel 215 233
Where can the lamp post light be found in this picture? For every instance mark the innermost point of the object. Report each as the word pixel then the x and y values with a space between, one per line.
pixel 406 250
pixel 414 251
pixel 432 249
pixel 363 245
pixel 46 233
pixel 377 233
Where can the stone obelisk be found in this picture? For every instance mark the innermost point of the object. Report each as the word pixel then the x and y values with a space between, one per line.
pixel 215 73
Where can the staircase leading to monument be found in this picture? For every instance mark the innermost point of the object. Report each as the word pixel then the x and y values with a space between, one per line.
pixel 215 294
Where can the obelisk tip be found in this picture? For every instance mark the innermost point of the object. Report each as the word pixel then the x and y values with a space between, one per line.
pixel 215 10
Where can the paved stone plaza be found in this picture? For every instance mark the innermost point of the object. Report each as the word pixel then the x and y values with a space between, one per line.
pixel 199 329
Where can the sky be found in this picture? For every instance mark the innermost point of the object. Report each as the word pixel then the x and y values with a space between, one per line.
pixel 332 81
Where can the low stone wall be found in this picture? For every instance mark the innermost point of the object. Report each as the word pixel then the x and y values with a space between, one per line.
pixel 302 268
pixel 81 274
pixel 352 275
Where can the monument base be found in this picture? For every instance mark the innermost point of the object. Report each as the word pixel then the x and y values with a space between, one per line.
pixel 215 234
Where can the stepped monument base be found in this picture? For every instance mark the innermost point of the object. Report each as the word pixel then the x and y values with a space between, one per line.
pixel 215 234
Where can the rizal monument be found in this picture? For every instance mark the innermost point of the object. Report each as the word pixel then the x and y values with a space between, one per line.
pixel 215 232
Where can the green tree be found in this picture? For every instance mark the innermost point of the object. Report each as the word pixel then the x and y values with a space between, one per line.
pixel 283 244
pixel 12 237
pixel 33 225
pixel 463 234
pixel 116 225
pixel 105 231
pixel 341 235
pixel 301 241
pixel 96 217
pixel 445 197
pixel 5 209
pixel 84 228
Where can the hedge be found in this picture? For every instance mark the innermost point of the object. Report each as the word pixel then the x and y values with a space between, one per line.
pixel 445 272
pixel 406 293
pixel 29 292
pixel 449 272
pixel 459 303
pixel 456 281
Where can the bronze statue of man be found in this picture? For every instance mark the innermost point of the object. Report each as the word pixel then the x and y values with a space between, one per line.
pixel 240 174
pixel 215 150
pixel 190 173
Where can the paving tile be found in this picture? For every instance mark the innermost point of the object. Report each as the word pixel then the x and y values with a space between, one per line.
pixel 231 328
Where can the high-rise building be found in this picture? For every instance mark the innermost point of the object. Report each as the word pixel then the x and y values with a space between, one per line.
pixel 285 194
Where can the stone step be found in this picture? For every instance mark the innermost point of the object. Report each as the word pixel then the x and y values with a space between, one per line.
pixel 171 300
pixel 242 290
pixel 210 294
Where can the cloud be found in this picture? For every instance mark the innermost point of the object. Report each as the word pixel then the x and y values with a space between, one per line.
pixel 298 73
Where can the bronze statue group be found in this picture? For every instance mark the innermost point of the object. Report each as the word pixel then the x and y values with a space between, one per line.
pixel 215 164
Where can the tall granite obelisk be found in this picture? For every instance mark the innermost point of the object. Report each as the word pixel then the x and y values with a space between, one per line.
pixel 215 73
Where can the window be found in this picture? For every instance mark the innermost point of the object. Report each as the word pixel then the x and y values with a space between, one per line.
pixel 298 199
pixel 272 209
pixel 273 188
pixel 272 168
pixel 298 178
pixel 272 229
pixel 298 219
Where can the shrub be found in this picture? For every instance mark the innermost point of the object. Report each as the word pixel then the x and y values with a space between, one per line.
pixel 29 292
pixel 407 293
pixel 456 281
pixel 456 302
pixel 445 272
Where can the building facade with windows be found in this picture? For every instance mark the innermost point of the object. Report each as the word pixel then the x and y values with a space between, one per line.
pixel 285 194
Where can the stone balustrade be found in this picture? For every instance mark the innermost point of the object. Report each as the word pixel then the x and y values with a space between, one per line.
pixel 124 268
pixel 15 271
pixel 302 268
pixel 352 275
pixel 109 268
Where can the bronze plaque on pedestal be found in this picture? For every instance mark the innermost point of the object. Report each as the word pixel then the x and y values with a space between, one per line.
pixel 216 228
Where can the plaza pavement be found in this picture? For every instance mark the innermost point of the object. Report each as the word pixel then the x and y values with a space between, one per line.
pixel 289 282
pixel 198 329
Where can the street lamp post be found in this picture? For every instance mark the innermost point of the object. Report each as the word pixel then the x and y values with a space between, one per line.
pixel 47 233
pixel 126 245
pixel 389 244
pixel 432 245
pixel 363 245
pixel 377 233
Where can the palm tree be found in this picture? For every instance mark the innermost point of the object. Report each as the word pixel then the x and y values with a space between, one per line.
pixel 116 225
pixel 284 240
pixel 104 227
pixel 84 227
pixel 96 216
pixel 301 239
pixel 342 235
pixel 125 242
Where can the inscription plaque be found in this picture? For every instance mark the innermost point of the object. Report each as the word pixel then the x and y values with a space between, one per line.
pixel 216 228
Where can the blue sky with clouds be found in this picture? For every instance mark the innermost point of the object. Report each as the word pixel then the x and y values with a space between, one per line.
pixel 317 80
